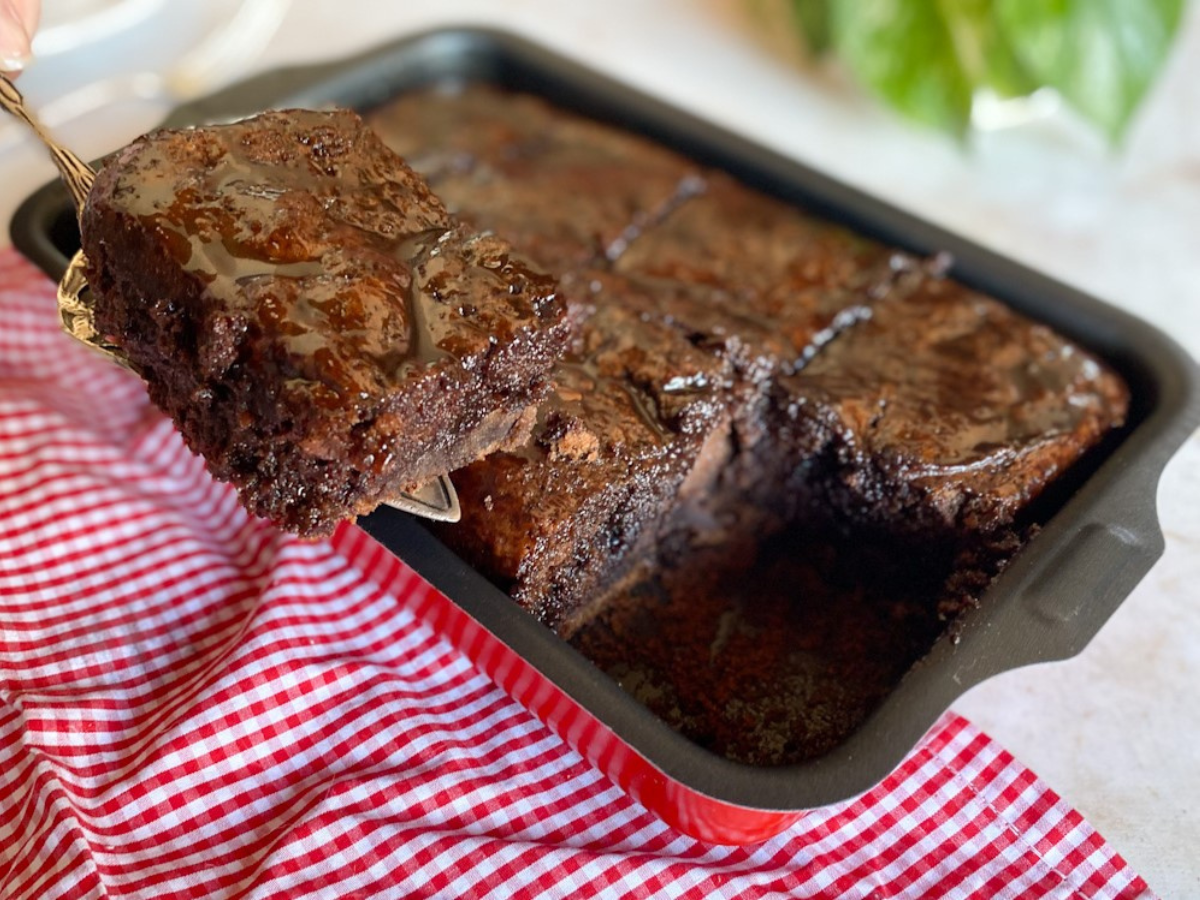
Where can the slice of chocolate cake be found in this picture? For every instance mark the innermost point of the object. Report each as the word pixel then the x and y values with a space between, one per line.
pixel 568 191
pixel 769 256
pixel 637 417
pixel 946 412
pixel 310 315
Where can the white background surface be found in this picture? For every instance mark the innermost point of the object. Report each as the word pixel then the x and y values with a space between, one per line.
pixel 1116 730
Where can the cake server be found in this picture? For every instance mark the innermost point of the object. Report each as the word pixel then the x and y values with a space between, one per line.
pixel 435 500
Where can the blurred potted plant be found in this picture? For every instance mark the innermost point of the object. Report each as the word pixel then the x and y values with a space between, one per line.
pixel 933 60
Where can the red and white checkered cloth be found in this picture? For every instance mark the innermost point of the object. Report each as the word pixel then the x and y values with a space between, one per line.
pixel 193 704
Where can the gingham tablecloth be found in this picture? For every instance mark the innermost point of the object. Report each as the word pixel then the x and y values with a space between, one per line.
pixel 193 704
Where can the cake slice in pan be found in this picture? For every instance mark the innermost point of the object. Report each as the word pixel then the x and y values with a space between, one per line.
pixel 569 191
pixel 636 416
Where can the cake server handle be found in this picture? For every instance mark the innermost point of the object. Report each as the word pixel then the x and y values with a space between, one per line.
pixel 74 304
pixel 76 174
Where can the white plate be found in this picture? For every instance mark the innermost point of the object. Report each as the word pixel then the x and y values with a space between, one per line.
pixel 90 52
pixel 68 24
pixel 105 71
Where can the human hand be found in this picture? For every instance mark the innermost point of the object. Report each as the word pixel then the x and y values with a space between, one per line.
pixel 18 21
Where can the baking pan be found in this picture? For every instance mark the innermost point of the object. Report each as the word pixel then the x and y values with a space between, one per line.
pixel 1092 550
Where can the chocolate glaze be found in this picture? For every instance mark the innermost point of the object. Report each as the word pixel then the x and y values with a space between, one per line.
pixel 231 221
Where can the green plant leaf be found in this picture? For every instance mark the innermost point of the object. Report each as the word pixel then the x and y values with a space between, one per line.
pixel 983 51
pixel 926 58
pixel 1004 72
pixel 1101 55
pixel 904 50
pixel 813 18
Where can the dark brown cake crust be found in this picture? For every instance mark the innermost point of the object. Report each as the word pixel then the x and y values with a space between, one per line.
pixel 316 323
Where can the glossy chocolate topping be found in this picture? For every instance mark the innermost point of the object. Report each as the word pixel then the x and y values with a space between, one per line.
pixel 343 255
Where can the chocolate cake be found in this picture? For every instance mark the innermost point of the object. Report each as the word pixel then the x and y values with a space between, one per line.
pixel 320 328
pixel 781 457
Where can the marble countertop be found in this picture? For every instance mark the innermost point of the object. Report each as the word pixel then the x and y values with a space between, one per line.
pixel 1115 730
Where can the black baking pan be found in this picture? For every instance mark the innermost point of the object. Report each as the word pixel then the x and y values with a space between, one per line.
pixel 1090 553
